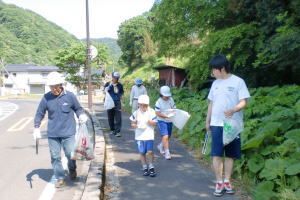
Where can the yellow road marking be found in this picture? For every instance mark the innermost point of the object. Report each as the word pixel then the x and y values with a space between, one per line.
pixel 20 124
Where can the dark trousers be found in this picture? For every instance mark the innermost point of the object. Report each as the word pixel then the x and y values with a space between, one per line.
pixel 115 117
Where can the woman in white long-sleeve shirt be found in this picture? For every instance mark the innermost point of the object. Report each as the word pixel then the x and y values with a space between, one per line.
pixel 136 90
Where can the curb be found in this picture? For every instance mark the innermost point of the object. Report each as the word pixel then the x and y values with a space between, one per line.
pixel 93 189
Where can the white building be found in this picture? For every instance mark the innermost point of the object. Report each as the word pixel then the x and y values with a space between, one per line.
pixel 26 79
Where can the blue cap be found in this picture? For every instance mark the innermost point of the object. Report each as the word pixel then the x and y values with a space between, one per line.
pixel 138 81
pixel 115 75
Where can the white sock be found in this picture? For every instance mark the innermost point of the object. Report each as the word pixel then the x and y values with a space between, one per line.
pixel 167 151
pixel 145 167
pixel 226 180
pixel 151 165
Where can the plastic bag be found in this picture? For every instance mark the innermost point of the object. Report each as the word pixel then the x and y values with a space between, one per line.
pixel 83 145
pixel 179 118
pixel 108 102
pixel 231 129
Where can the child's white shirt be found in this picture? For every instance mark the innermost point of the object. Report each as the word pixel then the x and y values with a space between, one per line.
pixel 144 131
pixel 225 94
pixel 162 106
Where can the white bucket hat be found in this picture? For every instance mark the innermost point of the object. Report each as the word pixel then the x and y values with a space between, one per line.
pixel 55 78
pixel 143 99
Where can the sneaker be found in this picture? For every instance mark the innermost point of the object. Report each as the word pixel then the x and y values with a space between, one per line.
pixel 145 172
pixel 219 191
pixel 118 134
pixel 60 183
pixel 167 156
pixel 152 172
pixel 160 149
pixel 73 174
pixel 228 188
pixel 112 132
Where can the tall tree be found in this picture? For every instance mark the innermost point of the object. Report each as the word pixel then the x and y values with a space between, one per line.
pixel 260 38
pixel 72 60
pixel 132 36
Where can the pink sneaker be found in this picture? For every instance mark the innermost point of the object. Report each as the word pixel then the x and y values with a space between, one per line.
pixel 219 191
pixel 167 156
pixel 160 149
pixel 228 188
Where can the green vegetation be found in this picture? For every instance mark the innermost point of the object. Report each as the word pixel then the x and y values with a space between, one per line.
pixel 270 140
pixel 72 59
pixel 26 37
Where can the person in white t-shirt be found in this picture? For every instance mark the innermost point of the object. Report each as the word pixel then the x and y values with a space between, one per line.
pixel 144 121
pixel 163 105
pixel 227 97
pixel 136 90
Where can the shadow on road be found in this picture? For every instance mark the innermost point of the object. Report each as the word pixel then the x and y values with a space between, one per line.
pixel 44 174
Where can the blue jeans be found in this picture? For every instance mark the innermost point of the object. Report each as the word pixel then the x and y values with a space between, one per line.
pixel 55 145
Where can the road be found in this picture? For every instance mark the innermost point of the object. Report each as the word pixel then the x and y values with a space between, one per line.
pixel 25 175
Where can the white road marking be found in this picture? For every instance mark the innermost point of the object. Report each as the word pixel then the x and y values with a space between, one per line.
pixel 6 109
pixel 20 124
pixel 49 190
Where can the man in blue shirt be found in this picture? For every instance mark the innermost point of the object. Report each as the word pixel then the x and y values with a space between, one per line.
pixel 61 106
pixel 116 91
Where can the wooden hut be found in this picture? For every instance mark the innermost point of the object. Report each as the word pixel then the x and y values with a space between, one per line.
pixel 171 76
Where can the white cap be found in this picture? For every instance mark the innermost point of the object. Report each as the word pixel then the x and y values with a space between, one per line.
pixel 54 78
pixel 165 91
pixel 115 75
pixel 143 99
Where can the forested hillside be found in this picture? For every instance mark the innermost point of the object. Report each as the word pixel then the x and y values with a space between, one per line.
pixel 26 37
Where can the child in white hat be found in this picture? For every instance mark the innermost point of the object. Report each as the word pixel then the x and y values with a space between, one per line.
pixel 143 121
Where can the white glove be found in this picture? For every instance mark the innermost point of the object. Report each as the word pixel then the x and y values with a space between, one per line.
pixel 36 133
pixel 82 118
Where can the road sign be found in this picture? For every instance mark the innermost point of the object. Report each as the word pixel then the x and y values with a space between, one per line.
pixel 93 52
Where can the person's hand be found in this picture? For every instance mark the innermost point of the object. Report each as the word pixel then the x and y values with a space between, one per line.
pixel 36 134
pixel 134 124
pixel 82 118
pixel 151 123
pixel 170 115
pixel 229 113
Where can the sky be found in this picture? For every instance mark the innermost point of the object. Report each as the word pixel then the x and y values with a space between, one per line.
pixel 105 16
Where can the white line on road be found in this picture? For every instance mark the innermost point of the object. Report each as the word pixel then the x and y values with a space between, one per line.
pixel 49 190
pixel 20 124
pixel 7 109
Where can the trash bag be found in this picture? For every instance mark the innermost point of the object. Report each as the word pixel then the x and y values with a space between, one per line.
pixel 179 118
pixel 108 102
pixel 231 129
pixel 83 149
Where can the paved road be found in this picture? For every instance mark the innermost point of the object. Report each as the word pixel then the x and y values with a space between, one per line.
pixel 181 178
pixel 23 174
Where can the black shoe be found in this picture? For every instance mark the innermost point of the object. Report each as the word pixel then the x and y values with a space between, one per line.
pixel 152 172
pixel 145 172
pixel 73 174
pixel 112 132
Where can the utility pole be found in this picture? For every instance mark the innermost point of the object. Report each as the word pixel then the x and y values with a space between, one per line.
pixel 88 56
